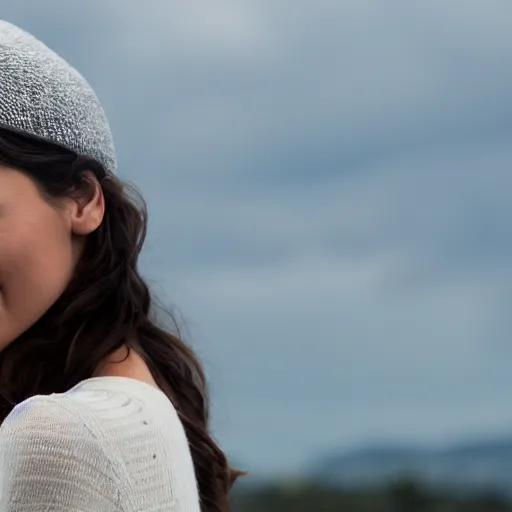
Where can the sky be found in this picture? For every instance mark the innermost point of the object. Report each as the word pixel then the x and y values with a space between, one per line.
pixel 329 187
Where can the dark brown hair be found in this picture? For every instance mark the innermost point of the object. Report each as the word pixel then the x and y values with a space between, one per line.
pixel 106 305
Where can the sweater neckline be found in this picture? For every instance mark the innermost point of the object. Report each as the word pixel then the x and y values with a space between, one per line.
pixel 120 383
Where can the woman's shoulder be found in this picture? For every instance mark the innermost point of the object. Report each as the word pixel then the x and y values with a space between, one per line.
pixel 49 423
pixel 127 434
pixel 118 402
pixel 99 407
pixel 39 413
pixel 48 454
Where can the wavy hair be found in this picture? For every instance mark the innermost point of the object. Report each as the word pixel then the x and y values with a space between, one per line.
pixel 107 305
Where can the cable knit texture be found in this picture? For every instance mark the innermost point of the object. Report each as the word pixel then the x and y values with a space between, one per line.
pixel 110 444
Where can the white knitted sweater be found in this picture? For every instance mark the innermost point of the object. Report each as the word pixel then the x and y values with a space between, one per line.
pixel 110 444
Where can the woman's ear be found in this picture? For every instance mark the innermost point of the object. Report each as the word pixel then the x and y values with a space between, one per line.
pixel 87 206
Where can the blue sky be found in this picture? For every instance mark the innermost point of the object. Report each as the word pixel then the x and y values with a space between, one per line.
pixel 329 190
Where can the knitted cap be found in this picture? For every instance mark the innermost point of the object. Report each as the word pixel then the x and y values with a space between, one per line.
pixel 41 95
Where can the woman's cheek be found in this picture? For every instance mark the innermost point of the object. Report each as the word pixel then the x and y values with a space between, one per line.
pixel 25 291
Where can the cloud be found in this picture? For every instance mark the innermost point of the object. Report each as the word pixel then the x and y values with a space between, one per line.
pixel 380 78
pixel 351 294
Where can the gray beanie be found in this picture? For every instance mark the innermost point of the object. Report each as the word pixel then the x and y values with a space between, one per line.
pixel 42 96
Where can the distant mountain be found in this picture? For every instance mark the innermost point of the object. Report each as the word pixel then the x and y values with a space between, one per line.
pixel 479 466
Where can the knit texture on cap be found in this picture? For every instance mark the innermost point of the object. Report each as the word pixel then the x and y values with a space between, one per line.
pixel 42 96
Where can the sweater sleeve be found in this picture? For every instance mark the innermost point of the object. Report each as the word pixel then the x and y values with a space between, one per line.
pixel 50 460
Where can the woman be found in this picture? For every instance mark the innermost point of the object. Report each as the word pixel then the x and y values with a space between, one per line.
pixel 102 410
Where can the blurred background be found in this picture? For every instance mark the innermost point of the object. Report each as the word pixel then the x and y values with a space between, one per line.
pixel 329 187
